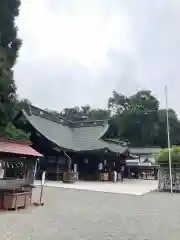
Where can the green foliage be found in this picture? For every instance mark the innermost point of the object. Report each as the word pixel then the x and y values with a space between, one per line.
pixel 138 120
pixel 83 113
pixel 20 104
pixel 136 116
pixel 7 98
pixel 9 46
pixel 13 133
pixel 163 156
pixel 9 10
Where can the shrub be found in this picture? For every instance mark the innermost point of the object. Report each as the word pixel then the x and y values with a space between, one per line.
pixel 163 156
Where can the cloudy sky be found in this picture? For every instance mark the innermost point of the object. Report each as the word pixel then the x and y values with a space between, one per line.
pixel 76 52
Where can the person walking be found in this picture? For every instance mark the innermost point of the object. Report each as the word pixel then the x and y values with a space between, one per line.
pixel 1 169
pixel 122 173
pixel 114 176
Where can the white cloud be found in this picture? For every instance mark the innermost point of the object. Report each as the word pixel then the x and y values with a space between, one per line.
pixel 83 36
pixel 76 52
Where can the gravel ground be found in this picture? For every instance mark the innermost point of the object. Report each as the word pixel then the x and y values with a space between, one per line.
pixel 71 214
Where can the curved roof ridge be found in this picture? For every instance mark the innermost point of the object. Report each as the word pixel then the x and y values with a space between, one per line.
pixel 89 121
pixel 46 114
pixel 106 127
pixel 51 129
pixel 114 147
pixel 111 140
pixel 52 117
pixel 74 139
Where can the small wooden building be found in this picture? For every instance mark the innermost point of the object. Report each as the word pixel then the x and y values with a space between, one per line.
pixel 142 162
pixel 80 146
pixel 144 153
pixel 18 155
pixel 17 171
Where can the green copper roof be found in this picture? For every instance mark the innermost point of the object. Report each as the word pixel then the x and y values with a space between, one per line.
pixel 76 136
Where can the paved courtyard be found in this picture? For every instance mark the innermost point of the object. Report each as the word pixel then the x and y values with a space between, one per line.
pixel 133 187
pixel 71 214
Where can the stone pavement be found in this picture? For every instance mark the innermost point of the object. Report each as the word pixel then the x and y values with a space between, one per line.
pixel 133 186
pixel 70 214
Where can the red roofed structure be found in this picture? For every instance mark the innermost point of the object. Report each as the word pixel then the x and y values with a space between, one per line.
pixel 18 147
pixel 16 158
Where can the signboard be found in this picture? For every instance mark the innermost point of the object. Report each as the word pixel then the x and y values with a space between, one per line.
pixel 43 178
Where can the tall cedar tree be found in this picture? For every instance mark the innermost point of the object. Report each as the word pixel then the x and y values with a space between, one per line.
pixel 9 46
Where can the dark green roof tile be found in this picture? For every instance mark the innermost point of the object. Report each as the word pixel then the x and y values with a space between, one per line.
pixel 76 136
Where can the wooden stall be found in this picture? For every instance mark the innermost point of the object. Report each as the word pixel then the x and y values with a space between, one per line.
pixel 17 172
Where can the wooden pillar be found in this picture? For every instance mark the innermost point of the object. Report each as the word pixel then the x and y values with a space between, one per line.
pixel 31 163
